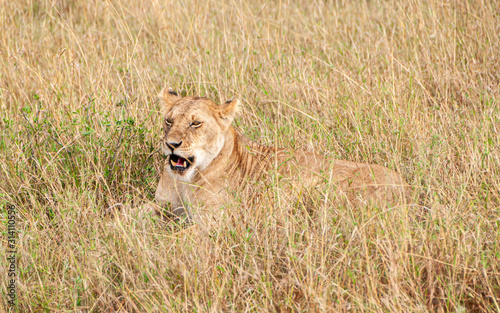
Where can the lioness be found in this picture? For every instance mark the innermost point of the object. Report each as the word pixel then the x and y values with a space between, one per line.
pixel 208 158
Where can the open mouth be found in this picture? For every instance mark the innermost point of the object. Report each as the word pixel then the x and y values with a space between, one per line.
pixel 180 164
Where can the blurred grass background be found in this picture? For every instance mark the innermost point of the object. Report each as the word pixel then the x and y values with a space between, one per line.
pixel 410 85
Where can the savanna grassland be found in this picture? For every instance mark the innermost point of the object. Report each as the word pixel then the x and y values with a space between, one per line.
pixel 410 85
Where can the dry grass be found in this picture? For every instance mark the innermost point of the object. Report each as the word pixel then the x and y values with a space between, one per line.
pixel 410 85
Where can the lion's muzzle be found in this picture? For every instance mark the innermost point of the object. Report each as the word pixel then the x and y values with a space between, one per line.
pixel 180 164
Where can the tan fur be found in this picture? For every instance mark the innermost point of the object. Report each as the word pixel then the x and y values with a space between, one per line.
pixel 225 160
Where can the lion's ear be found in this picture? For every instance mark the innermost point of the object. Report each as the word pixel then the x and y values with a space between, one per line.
pixel 229 110
pixel 167 98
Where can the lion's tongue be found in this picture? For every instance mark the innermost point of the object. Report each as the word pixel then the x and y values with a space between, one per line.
pixel 180 161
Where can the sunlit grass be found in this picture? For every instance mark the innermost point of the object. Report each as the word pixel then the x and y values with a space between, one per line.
pixel 413 86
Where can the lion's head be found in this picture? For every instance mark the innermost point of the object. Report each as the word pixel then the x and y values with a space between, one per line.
pixel 193 131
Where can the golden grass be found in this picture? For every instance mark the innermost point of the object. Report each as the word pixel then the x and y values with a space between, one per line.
pixel 410 85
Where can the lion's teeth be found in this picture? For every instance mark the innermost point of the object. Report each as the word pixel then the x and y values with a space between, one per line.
pixel 173 163
pixel 184 164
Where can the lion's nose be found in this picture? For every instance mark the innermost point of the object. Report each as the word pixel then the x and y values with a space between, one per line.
pixel 174 145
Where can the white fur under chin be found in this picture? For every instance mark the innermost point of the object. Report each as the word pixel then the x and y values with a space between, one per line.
pixel 186 178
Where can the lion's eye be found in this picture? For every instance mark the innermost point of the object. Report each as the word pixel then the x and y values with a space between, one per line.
pixel 195 124
pixel 169 121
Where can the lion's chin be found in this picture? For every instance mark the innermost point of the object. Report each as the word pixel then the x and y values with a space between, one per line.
pixel 180 165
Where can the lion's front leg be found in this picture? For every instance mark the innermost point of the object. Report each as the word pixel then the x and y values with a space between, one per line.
pixel 170 193
pixel 206 205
